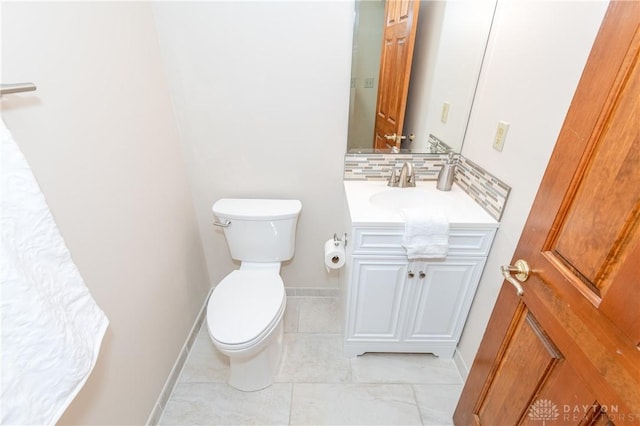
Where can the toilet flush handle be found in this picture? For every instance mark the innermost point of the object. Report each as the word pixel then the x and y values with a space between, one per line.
pixel 224 224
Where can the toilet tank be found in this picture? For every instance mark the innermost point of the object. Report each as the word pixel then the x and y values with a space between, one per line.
pixel 259 230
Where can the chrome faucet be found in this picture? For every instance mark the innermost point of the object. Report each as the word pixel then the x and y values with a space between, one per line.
pixel 407 176
pixel 406 179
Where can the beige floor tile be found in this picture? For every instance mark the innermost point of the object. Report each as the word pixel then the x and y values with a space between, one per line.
pixel 291 315
pixel 313 358
pixel 315 383
pixel 205 363
pixel 437 403
pixel 353 404
pixel 319 315
pixel 404 368
pixel 220 404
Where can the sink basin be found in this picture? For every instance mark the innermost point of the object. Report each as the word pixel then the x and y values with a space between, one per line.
pixel 397 199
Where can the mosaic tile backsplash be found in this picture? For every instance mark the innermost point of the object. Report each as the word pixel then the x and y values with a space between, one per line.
pixel 378 166
pixel 487 190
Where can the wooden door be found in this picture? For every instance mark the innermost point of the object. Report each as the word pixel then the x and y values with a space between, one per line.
pixel 401 17
pixel 567 351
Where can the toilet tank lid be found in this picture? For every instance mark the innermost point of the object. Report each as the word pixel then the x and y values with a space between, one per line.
pixel 256 209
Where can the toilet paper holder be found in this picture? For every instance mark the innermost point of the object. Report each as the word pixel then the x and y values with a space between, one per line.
pixel 336 240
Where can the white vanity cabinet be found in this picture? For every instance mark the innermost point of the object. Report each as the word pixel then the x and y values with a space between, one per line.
pixel 393 304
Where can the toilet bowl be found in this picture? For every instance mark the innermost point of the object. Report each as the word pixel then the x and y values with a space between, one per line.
pixel 244 320
pixel 245 310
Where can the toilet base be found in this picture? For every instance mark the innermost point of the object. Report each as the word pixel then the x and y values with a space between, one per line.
pixel 255 372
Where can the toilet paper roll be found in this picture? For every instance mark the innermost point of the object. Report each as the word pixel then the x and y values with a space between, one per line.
pixel 334 255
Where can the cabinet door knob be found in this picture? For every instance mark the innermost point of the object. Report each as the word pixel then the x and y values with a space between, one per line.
pixel 422 274
pixel 411 274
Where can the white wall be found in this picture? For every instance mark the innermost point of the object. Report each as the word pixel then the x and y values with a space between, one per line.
pixel 423 71
pixel 450 45
pixel 367 47
pixel 536 55
pixel 101 138
pixel 261 94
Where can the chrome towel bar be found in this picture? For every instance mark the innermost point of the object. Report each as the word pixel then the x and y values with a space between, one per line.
pixel 6 89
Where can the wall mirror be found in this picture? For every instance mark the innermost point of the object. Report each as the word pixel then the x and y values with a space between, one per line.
pixel 450 41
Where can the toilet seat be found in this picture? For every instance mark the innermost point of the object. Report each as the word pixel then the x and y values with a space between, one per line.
pixel 244 307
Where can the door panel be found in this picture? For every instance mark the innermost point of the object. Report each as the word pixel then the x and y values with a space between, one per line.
pixel 621 303
pixel 441 297
pixel 380 294
pixel 528 360
pixel 594 256
pixel 530 378
pixel 401 17
pixel 570 342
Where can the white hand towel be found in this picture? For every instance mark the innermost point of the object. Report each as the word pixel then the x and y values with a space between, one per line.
pixel 426 233
pixel 51 327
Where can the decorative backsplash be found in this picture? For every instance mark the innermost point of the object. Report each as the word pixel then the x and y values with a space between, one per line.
pixel 377 166
pixel 487 190
pixel 436 146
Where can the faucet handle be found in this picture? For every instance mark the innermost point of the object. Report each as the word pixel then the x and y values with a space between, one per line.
pixel 393 179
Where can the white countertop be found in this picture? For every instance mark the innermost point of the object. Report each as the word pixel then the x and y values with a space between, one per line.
pixel 461 209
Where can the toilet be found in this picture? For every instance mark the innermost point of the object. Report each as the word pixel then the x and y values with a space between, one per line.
pixel 245 310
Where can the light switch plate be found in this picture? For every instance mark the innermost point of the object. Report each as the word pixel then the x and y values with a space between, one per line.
pixel 444 115
pixel 501 135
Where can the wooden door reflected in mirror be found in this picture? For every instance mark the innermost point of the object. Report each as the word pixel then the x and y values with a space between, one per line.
pixel 400 24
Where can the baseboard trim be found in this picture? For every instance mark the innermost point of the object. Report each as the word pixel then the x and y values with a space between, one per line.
pixel 159 406
pixel 462 367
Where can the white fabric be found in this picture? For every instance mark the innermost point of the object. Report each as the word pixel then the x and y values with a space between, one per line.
pixel 51 327
pixel 426 233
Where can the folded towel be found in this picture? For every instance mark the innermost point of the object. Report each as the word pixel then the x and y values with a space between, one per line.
pixel 426 233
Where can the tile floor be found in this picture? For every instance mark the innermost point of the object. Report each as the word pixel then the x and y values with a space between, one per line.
pixel 316 384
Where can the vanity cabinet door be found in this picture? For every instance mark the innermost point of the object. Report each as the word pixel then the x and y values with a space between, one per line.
pixel 442 293
pixel 376 298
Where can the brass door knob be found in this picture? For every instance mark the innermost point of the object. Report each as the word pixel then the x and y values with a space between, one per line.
pixel 521 268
